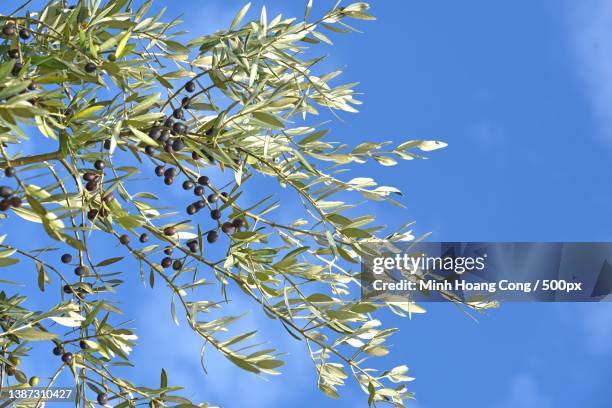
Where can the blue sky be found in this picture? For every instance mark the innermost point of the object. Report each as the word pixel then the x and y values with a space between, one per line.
pixel 521 91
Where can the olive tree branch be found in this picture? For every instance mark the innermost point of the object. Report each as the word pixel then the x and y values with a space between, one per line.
pixel 37 158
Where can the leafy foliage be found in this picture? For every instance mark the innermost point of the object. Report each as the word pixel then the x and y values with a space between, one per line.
pixel 103 79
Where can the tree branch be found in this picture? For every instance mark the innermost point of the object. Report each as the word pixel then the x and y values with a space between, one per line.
pixel 37 158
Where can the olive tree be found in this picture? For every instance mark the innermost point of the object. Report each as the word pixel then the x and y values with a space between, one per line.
pixel 123 98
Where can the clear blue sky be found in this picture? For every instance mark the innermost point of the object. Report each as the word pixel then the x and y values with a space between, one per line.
pixel 522 93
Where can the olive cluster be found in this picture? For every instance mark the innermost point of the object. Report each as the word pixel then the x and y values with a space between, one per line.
pixel 170 133
pixel 11 369
pixel 92 179
pixel 68 358
pixel 9 30
pixel 8 198
pixel 199 190
pixel 80 270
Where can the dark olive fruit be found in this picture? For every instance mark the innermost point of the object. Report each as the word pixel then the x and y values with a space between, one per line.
pixel 190 86
pixel 6 191
pixel 195 156
pixel 215 214
pixel 92 214
pixel 212 236
pixel 13 53
pixel 169 122
pixel 10 172
pixel 200 204
pixel 166 262
pixel 227 227
pixel 80 270
pixel 17 68
pixel 192 244
pixel 199 190
pixel 66 258
pixel 169 231
pixel 24 34
pixel 178 145
pixel 99 165
pixel 102 398
pixel 165 135
pixel 91 185
pixel 124 239
pixel 224 194
pixel 170 172
pixel 187 185
pixel 67 289
pixel 33 381
pixel 191 209
pixel 179 128
pixel 10 370
pixel 203 180
pixel 107 144
pixel 213 198
pixel 90 176
pixel 159 170
pixel 144 237
pixel 15 202
pixel 178 113
pixel 83 345
pixel 168 180
pixel 150 150
pixel 90 67
pixel 177 265
pixel 186 102
pixel 67 358
pixel 33 85
pixel 168 250
pixel 58 350
pixel 155 133
pixel 8 30
pixel 238 223
pixel 168 147
pixel 5 204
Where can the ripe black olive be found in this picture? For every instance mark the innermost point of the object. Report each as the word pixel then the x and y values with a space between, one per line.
pixel 90 67
pixel 238 223
pixel 212 236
